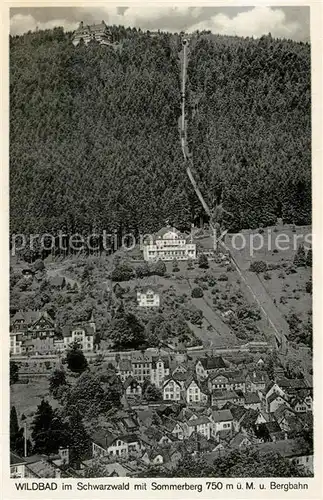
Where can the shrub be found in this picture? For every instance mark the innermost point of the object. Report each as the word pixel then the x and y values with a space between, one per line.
pixel 275 230
pixel 223 277
pixel 309 258
pixel 282 275
pixel 258 266
pixel 197 293
pixel 300 257
pixel 230 268
pixel 214 291
pixel 291 270
pixel 275 250
pixel 261 230
pixel 267 276
pixel 203 263
pixel 283 300
pixel 309 286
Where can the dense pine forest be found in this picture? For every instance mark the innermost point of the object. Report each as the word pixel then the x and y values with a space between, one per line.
pixel 94 136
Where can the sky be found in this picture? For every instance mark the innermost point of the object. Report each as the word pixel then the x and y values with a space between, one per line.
pixel 281 22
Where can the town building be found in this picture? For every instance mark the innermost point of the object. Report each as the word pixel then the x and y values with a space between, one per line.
pixel 169 244
pixel 148 297
pixel 82 334
pixel 31 331
pixel 94 32
pixel 160 370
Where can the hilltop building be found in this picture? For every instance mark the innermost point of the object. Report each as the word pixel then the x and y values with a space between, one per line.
pixel 98 32
pixel 169 244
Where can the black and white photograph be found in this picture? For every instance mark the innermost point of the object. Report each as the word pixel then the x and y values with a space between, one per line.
pixel 160 239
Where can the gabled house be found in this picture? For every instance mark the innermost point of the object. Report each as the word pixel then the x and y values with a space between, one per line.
pixel 241 441
pixel 195 392
pixel 109 443
pixel 132 387
pixel 124 369
pixel 220 398
pixel 83 334
pixel 32 331
pixel 201 425
pixel 294 450
pixel 176 429
pixel 221 420
pixel 274 401
pixel 172 390
pixel 148 297
pixel 160 370
pixel 208 365
pixel 302 403
pixel 252 400
pixel 218 381
pixel 256 381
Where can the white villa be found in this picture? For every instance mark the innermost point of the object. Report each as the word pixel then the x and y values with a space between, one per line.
pixel 147 297
pixel 169 244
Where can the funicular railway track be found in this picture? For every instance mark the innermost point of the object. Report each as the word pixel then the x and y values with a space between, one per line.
pixel 277 323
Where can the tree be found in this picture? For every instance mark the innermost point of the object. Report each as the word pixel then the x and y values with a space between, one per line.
pixel 175 266
pixel 309 286
pixel 159 268
pixel 152 393
pixel 203 262
pixel 17 438
pixel 197 293
pixel 126 332
pixel 190 264
pixel 309 258
pixel 122 272
pixel 79 441
pixel 48 430
pixel 143 270
pixel 14 372
pixel 56 380
pixel 75 359
pixel 300 257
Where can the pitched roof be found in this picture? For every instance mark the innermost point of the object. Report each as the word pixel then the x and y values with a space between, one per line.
pixel 221 415
pixel 238 439
pixel 198 421
pixel 292 383
pixel 130 381
pixel 125 365
pixel 103 438
pixel 218 394
pixel 148 288
pixel 30 317
pixel 68 329
pixel 212 363
pixel 288 448
pixel 251 398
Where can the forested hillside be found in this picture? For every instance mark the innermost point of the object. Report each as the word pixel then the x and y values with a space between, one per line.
pixel 94 140
pixel 250 127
